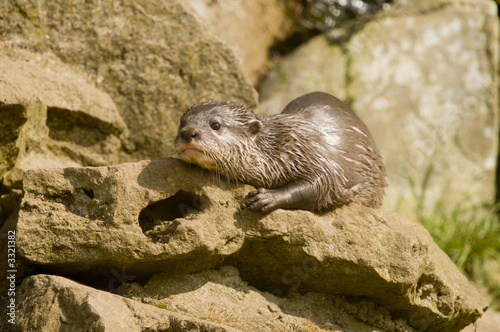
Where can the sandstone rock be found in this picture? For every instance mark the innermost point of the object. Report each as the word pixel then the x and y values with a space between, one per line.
pixel 53 303
pixel 127 216
pixel 154 58
pixel 424 78
pixel 221 296
pixel 326 71
pixel 253 27
pixel 361 252
pixel 51 116
pixel 165 216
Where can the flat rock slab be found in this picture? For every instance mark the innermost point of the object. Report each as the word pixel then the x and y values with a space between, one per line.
pixel 221 296
pixel 165 216
pixel 53 303
pixel 52 116
pixel 146 217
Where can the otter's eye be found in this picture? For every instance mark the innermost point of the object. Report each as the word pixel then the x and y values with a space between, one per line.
pixel 215 126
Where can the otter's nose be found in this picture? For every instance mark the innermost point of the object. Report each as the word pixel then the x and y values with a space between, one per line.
pixel 187 134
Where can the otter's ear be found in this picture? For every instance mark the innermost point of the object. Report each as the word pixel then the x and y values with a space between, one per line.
pixel 255 126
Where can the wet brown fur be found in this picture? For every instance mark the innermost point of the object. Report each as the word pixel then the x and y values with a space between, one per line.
pixel 317 140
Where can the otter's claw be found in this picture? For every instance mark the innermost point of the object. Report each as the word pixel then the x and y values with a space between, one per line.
pixel 261 200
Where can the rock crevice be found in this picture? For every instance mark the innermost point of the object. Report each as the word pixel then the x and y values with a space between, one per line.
pixel 166 216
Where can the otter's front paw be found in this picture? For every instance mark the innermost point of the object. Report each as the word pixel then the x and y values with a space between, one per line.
pixel 262 200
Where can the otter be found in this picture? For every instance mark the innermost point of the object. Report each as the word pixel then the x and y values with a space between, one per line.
pixel 315 155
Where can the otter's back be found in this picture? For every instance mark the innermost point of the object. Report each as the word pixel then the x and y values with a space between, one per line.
pixel 344 141
pixel 313 100
pixel 327 111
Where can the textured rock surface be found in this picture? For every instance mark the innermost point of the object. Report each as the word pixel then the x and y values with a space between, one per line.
pixel 52 303
pixel 51 116
pixel 128 216
pixel 163 215
pixel 424 79
pixel 221 296
pixel 253 27
pixel 154 58
pixel 327 70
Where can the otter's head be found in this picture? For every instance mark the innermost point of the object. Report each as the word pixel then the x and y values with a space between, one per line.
pixel 214 135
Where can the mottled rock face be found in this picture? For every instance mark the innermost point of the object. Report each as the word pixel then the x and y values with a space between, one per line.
pixel 154 58
pixel 423 77
pixel 252 27
pixel 165 216
pixel 221 295
pixel 52 116
pixel 447 123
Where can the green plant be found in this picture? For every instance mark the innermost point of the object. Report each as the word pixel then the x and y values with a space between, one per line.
pixel 470 235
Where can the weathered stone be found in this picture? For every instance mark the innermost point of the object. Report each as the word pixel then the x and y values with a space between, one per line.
pixel 166 216
pixel 326 71
pixel 127 216
pixel 424 78
pixel 53 303
pixel 154 58
pixel 52 117
pixel 221 296
pixel 362 252
pixel 252 27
